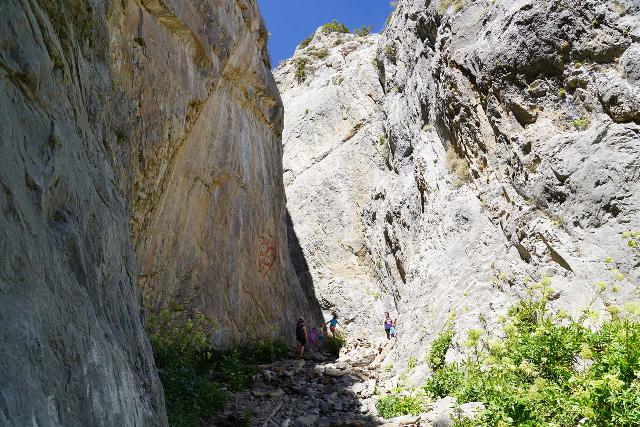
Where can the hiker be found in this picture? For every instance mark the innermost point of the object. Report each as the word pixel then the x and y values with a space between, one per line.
pixel 388 323
pixel 313 338
pixel 301 336
pixel 332 323
pixel 392 331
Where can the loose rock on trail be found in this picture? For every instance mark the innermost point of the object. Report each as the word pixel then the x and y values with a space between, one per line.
pixel 319 390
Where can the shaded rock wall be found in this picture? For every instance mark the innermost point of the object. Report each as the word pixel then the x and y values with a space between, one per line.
pixel 510 151
pixel 136 137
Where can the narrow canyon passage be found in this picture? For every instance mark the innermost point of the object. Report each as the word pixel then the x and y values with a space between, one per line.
pixel 172 203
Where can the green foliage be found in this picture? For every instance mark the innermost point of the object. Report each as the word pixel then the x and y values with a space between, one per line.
pixel 306 42
pixel 547 368
pixel 364 31
pixel 192 372
pixel 382 140
pixel 395 405
pixel 333 343
pixel 412 362
pixel 439 348
pixel 391 52
pixel 562 92
pixel 320 54
pixel 581 123
pixel 444 5
pixel 633 240
pixel 335 27
pixel 301 69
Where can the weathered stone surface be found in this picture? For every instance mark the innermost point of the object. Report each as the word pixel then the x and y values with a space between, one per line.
pixel 136 136
pixel 331 161
pixel 511 151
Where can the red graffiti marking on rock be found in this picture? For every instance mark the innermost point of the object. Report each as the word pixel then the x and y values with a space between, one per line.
pixel 266 255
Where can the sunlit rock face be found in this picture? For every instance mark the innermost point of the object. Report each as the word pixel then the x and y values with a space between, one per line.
pixel 139 148
pixel 501 142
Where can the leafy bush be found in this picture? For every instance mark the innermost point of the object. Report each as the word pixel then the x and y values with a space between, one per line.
pixel 439 348
pixel 581 123
pixel 395 405
pixel 412 362
pixel 301 69
pixel 364 31
pixel 550 369
pixel 333 343
pixel 192 372
pixel 335 27
pixel 306 42
pixel 391 53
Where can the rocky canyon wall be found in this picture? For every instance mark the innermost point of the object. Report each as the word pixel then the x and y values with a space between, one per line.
pixel 139 148
pixel 500 143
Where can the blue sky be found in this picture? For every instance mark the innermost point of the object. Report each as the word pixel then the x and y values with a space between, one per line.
pixel 291 21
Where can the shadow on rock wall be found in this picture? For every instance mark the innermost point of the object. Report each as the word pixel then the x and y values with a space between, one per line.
pixel 302 270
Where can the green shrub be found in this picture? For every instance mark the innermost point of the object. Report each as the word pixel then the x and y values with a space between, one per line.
pixel 581 123
pixel 335 27
pixel 192 372
pixel 439 348
pixel 391 53
pixel 395 405
pixel 306 42
pixel 550 369
pixel 180 343
pixel 382 140
pixel 412 362
pixel 364 31
pixel 301 69
pixel 333 343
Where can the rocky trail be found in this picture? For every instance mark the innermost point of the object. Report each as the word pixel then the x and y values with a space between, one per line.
pixel 319 390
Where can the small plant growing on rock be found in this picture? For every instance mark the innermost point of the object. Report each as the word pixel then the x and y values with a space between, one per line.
pixel 395 405
pixel 320 54
pixel 562 92
pixel 439 347
pixel 364 31
pixel 306 42
pixel 333 343
pixel 301 69
pixel 390 52
pixel 581 123
pixel 335 27
pixel 412 362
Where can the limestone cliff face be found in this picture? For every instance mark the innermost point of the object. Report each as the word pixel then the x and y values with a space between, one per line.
pixel 136 137
pixel 508 148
